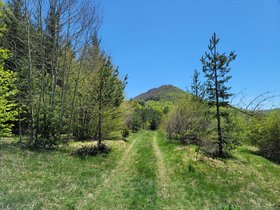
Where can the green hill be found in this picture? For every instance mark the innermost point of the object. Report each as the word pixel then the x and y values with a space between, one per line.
pixel 162 93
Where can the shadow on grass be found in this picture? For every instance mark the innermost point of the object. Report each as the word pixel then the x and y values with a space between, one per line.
pixel 27 146
pixel 250 151
pixel 260 154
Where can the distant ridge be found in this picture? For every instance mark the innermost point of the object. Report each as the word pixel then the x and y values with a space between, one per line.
pixel 162 93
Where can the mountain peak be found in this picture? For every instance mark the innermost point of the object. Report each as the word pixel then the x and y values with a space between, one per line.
pixel 162 93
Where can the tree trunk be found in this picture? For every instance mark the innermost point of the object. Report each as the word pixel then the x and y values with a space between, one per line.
pixel 100 118
pixel 42 90
pixel 19 121
pixel 64 84
pixel 218 114
pixel 73 99
pixel 30 84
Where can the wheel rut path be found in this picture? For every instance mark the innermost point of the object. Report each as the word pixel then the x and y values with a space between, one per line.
pixel 113 182
pixel 117 186
pixel 166 190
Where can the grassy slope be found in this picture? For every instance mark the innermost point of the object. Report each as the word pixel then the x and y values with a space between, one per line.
pixel 247 180
pixel 148 172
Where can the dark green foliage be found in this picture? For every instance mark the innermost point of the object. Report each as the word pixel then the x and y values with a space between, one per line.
pixel 216 69
pixel 145 118
pixel 166 110
pixel 125 133
pixel 154 124
pixel 101 149
pixel 135 124
pixel 197 88
pixel 191 168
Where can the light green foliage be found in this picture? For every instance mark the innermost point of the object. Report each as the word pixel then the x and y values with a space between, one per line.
pixel 265 132
pixel 145 117
pixel 188 121
pixel 100 95
pixel 161 105
pixel 8 90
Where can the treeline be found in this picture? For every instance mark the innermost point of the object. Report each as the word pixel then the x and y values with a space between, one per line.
pixel 145 117
pixel 206 117
pixel 66 85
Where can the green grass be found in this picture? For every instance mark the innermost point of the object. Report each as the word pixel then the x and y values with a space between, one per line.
pixel 144 192
pixel 147 172
pixel 51 179
pixel 246 180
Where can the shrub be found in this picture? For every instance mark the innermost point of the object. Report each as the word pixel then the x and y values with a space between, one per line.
pixel 188 122
pixel 265 132
pixel 102 149
pixel 125 133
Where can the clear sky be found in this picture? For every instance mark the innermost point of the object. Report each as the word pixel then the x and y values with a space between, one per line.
pixel 159 42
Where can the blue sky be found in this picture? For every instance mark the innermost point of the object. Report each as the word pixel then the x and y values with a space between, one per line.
pixel 160 42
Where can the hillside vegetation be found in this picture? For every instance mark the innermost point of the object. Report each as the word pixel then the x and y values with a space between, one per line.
pixel 162 93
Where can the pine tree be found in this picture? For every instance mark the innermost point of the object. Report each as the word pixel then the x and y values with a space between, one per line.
pixel 109 91
pixel 216 69
pixel 197 88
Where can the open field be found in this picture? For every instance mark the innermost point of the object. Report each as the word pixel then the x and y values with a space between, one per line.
pixel 147 172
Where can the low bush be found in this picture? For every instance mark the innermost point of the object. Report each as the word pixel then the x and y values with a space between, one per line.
pixel 187 122
pixel 102 149
pixel 125 133
pixel 265 133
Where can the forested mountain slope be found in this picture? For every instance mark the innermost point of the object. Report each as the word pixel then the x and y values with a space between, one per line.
pixel 162 93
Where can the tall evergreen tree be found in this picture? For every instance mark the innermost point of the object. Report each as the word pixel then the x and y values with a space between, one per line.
pixel 216 69
pixel 99 95
pixel 109 91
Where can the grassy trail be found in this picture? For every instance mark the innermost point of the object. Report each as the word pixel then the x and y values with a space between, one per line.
pixel 132 184
pixel 147 172
pixel 166 190
pixel 111 189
